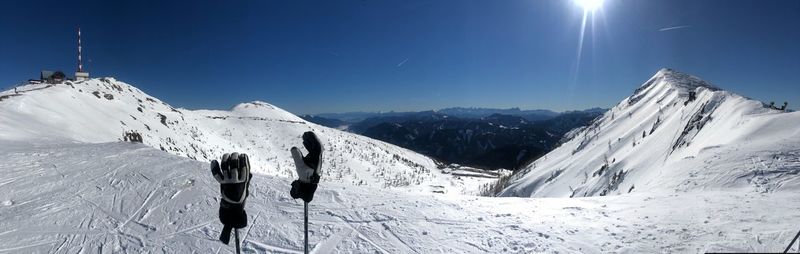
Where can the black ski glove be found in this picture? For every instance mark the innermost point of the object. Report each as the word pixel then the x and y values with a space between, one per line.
pixel 233 175
pixel 308 168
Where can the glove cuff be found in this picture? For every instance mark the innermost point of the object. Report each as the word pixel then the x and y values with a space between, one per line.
pixel 303 190
pixel 314 179
pixel 232 215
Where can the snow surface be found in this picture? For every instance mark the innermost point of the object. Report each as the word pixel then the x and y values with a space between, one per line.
pixel 123 197
pixel 101 110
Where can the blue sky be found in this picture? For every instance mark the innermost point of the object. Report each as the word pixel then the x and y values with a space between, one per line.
pixel 337 56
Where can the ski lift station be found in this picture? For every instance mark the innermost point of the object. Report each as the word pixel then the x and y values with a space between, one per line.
pixel 54 77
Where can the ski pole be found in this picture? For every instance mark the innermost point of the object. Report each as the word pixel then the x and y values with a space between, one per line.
pixel 305 206
pixel 792 243
pixel 308 172
pixel 236 235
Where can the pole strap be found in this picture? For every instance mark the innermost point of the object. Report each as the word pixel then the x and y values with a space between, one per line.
pixel 225 235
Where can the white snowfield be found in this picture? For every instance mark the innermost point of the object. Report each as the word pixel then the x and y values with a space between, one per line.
pixel 101 110
pixel 130 198
pixel 718 174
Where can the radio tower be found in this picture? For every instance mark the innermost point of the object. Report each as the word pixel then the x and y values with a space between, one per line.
pixel 80 74
pixel 80 65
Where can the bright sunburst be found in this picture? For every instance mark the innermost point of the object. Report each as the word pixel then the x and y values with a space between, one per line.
pixel 590 5
pixel 589 9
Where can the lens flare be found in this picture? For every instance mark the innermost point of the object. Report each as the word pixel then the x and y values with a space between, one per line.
pixel 589 9
pixel 590 5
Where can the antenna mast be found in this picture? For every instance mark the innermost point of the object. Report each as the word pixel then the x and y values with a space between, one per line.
pixel 80 74
pixel 80 63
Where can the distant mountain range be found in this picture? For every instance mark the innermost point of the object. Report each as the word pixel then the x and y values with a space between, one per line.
pixel 327 122
pixel 463 112
pixel 480 137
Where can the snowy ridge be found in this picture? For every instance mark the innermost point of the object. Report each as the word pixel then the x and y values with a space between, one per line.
pixel 101 110
pixel 675 133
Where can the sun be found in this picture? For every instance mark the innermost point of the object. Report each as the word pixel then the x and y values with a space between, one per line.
pixel 590 5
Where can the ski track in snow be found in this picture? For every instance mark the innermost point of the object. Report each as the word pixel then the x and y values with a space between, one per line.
pixel 145 200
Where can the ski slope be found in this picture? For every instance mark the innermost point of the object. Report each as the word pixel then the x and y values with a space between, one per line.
pixel 661 139
pixel 130 198
pixel 103 109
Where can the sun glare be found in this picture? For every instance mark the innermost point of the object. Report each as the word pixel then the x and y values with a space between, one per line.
pixel 590 5
pixel 589 8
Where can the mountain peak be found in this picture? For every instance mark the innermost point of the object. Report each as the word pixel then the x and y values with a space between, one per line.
pixel 666 80
pixel 679 80
pixel 253 104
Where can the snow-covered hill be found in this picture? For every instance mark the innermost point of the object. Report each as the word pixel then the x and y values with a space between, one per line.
pixel 129 198
pixel 676 133
pixel 101 110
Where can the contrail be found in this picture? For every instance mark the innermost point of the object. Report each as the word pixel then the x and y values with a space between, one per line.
pixel 402 63
pixel 672 28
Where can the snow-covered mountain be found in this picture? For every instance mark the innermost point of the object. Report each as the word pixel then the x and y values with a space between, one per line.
pixel 103 109
pixel 676 133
